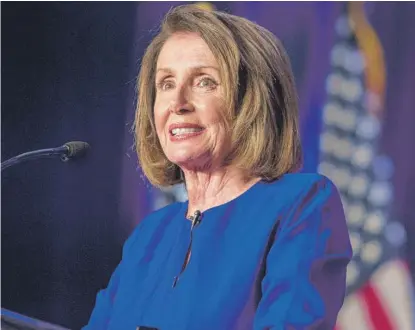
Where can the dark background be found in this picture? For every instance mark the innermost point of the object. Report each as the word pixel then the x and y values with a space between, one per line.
pixel 67 74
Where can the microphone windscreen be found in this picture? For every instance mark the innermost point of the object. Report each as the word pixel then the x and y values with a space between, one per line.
pixel 76 148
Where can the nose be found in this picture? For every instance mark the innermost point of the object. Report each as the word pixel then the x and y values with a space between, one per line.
pixel 181 103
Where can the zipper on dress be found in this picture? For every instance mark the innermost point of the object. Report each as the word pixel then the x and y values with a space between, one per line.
pixel 196 218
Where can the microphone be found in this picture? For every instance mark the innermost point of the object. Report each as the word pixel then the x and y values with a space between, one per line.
pixel 197 218
pixel 70 150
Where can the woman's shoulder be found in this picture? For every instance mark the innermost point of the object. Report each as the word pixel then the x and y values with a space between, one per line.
pixel 307 178
pixel 302 181
pixel 294 186
pixel 161 213
pixel 160 216
pixel 153 222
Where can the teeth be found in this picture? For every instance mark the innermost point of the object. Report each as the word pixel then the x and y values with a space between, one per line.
pixel 178 131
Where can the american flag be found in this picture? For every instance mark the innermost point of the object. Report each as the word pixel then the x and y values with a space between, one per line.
pixel 378 281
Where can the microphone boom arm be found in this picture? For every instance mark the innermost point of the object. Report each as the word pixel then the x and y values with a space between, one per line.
pixel 31 155
pixel 65 152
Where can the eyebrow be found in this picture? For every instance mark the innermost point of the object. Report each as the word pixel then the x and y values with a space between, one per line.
pixel 194 68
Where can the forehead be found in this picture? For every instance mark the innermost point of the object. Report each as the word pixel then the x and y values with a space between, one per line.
pixel 185 50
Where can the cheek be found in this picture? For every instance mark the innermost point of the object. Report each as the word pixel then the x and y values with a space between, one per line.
pixel 219 121
pixel 211 108
pixel 216 117
pixel 160 118
pixel 158 122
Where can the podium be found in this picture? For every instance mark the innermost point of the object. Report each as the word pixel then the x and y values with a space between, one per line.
pixel 14 321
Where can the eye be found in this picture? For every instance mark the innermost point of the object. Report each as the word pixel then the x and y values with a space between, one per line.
pixel 207 83
pixel 165 85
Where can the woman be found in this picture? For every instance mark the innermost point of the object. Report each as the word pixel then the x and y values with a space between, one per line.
pixel 256 246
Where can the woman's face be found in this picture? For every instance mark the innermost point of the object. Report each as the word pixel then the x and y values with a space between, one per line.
pixel 189 106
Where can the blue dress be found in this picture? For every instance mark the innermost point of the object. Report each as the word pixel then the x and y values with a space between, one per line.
pixel 273 258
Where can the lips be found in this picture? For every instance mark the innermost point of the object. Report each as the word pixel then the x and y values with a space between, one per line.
pixel 183 131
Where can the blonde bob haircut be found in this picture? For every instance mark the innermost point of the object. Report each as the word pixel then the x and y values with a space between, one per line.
pixel 260 96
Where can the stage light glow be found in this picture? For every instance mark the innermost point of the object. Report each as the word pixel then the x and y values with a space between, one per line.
pixel 351 89
pixel 355 213
pixel 362 156
pixel 341 177
pixel 380 193
pixel 359 185
pixel 374 223
pixel 352 273
pixel 368 127
pixel 371 252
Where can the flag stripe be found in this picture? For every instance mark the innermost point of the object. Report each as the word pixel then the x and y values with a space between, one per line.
pixel 375 309
pixel 353 315
pixel 393 285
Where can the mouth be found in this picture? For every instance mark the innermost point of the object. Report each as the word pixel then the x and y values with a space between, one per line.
pixel 184 131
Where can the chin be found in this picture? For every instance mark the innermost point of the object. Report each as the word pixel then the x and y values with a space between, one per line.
pixel 182 159
pixel 187 158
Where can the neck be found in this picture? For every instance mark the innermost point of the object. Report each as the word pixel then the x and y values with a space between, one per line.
pixel 209 189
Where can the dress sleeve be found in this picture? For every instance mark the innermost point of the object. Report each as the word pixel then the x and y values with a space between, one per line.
pixel 103 303
pixel 305 279
pixel 101 314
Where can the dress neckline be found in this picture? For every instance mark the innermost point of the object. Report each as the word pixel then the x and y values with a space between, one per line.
pixel 243 196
